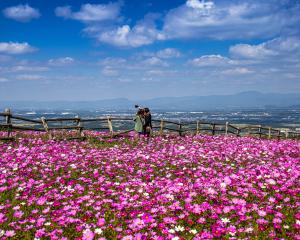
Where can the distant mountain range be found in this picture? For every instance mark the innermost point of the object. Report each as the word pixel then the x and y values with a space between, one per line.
pixel 251 99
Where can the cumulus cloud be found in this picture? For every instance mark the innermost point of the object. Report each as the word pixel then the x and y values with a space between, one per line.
pixel 168 53
pixel 90 12
pixel 16 48
pixel 196 4
pixel 273 62
pixel 58 62
pixel 231 19
pixel 195 19
pixel 211 61
pixel 102 23
pixel 143 33
pixel 251 51
pixel 124 36
pixel 278 47
pixel 21 13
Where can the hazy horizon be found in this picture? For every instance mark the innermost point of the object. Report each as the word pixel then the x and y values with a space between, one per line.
pixel 146 99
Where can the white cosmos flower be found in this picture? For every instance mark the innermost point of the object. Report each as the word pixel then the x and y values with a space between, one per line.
pixel 98 231
pixel 225 220
pixel 179 228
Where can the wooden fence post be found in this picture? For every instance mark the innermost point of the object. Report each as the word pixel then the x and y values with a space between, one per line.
pixel 110 126
pixel 238 131
pixel 198 128
pixel 161 127
pixel 269 134
pixel 213 128
pixel 45 125
pixel 180 129
pixel 8 121
pixel 226 128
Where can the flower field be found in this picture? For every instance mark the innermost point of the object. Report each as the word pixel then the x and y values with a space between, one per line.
pixel 193 187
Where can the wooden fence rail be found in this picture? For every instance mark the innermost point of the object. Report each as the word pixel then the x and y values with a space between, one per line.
pixel 77 124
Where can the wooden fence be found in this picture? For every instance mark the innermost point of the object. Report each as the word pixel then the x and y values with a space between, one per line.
pixel 113 126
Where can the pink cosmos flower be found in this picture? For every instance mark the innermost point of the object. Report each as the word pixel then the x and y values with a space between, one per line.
pixel 147 218
pixel 2 218
pixel 127 237
pixel 88 235
pixel 101 222
pixel 261 221
pixel 277 220
pixel 261 213
pixel 10 233
pixel 41 201
pixel 18 214
pixel 40 221
pixel 201 220
pixel 227 180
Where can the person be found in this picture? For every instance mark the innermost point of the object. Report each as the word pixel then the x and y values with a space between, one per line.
pixel 139 121
pixel 148 122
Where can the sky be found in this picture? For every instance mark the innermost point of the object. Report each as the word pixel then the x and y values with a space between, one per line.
pixel 93 50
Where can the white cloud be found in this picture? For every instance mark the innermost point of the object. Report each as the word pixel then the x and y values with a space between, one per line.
pixel 168 53
pixel 231 19
pixel 195 19
pixel 154 61
pixel 113 62
pixel 20 68
pixel 251 51
pixel 278 47
pixel 109 72
pixel 30 77
pixel 237 71
pixel 196 4
pixel 58 62
pixel 16 48
pixel 143 33
pixel 21 13
pixel 211 61
pixel 90 12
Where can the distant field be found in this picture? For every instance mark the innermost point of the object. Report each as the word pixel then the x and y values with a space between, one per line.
pixel 193 187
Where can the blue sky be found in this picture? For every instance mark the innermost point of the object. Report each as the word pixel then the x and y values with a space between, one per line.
pixel 89 50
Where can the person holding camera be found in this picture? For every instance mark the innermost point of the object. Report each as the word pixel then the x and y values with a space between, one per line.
pixel 148 122
pixel 139 121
